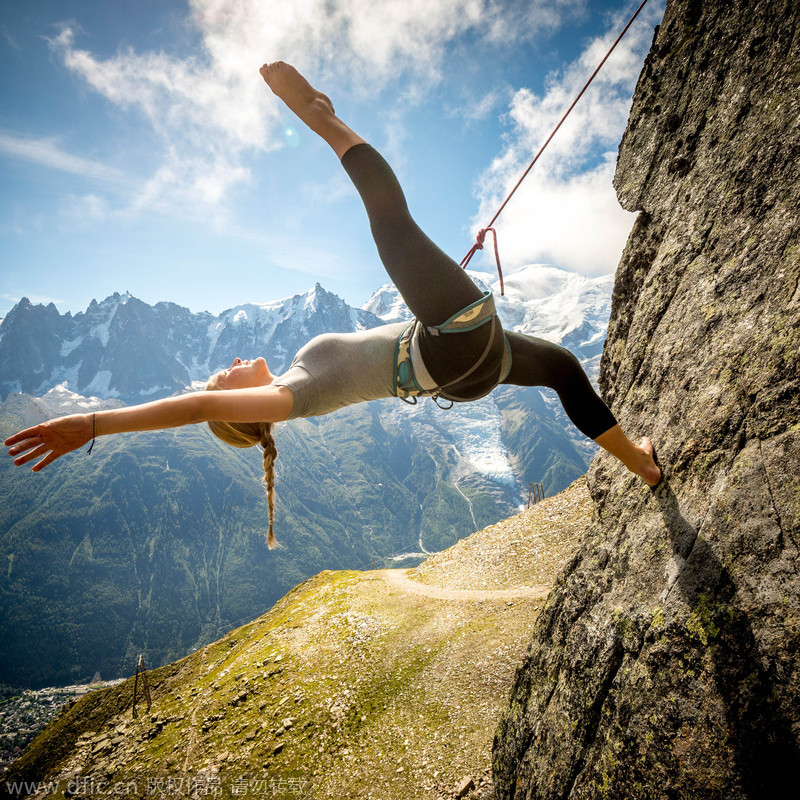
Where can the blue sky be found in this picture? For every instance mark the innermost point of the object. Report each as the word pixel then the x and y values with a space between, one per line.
pixel 140 150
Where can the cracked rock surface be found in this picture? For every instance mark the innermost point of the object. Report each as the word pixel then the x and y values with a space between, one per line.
pixel 666 663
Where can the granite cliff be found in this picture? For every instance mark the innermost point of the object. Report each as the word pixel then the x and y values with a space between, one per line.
pixel 666 663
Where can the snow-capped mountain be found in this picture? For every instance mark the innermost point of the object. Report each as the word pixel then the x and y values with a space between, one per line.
pixel 376 481
pixel 388 305
pixel 124 348
pixel 127 349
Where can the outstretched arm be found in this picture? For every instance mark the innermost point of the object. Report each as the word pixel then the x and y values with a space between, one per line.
pixel 56 437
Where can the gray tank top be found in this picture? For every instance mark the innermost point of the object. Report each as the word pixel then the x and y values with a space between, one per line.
pixel 338 369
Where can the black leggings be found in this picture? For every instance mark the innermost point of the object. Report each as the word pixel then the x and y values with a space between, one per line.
pixel 435 288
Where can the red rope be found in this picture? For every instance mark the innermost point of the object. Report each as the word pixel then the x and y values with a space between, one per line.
pixel 479 246
pixel 483 231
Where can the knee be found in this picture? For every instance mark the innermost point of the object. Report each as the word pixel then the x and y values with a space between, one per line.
pixel 567 370
pixel 538 362
pixel 567 361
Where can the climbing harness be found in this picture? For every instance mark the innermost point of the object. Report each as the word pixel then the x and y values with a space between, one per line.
pixel 479 239
pixel 411 377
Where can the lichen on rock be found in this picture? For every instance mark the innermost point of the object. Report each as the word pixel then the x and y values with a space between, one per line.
pixel 666 662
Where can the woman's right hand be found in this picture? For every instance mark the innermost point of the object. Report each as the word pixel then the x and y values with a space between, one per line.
pixel 50 440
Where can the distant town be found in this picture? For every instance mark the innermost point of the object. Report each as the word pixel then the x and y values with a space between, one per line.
pixel 23 715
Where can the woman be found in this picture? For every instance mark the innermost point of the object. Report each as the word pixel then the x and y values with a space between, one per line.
pixel 455 349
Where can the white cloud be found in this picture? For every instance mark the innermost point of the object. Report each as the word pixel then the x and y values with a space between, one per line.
pixel 187 183
pixel 48 153
pixel 80 212
pixel 476 109
pixel 575 223
pixel 211 108
pixel 205 121
pixel 566 212
pixel 328 191
pixel 9 37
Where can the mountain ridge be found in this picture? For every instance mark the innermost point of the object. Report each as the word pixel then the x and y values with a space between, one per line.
pixel 378 684
pixel 380 482
pixel 124 348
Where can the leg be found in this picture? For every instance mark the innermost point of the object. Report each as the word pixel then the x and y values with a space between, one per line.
pixel 432 284
pixel 537 362
pixel 639 459
pixel 311 106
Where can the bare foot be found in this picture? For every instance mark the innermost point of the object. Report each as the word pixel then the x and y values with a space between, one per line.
pixel 298 94
pixel 639 459
pixel 648 470
pixel 313 107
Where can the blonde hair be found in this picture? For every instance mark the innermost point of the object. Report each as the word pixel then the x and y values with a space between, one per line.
pixel 249 434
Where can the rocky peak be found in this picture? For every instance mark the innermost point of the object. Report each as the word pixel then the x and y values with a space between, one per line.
pixel 666 662
pixel 30 339
pixel 387 304
pixel 122 347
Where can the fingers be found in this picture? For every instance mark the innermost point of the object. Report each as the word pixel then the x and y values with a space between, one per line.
pixel 24 444
pixel 21 436
pixel 28 445
pixel 39 450
pixel 48 459
pixel 36 449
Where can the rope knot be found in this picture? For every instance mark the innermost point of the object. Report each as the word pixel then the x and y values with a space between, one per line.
pixel 479 240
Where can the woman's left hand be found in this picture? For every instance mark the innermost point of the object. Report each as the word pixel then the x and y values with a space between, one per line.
pixel 50 440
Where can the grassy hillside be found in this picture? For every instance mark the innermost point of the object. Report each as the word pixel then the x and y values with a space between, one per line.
pixel 154 543
pixel 384 684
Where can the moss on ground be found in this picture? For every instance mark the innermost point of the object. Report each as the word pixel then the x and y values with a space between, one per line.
pixel 348 687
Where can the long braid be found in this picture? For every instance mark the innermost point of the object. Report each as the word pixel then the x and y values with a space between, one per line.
pixel 270 454
pixel 249 434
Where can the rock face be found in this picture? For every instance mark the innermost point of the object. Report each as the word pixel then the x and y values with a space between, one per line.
pixel 667 661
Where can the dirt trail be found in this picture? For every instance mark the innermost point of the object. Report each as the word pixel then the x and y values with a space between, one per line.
pixel 399 579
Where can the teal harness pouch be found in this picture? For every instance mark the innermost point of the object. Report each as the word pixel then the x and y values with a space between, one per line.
pixel 410 383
